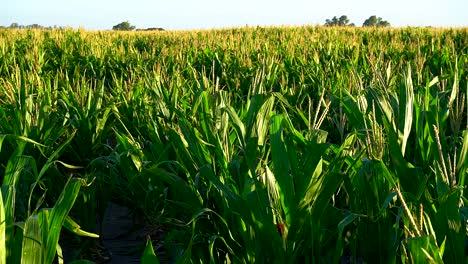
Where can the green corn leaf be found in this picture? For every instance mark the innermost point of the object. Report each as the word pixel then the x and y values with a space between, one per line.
pixel 408 100
pixel 331 183
pixel 263 120
pixel 69 166
pixel 52 222
pixel 205 211
pixel 353 111
pixel 423 250
pixel 2 138
pixel 254 104
pixel 341 226
pixel 54 156
pixel 33 246
pixel 9 194
pixel 346 221
pixel 463 161
pixel 21 138
pixel 149 257
pixel 72 226
pixel 15 166
pixel 238 125
pixel 196 145
pixel 314 186
pixel 411 178
pixel 59 255
pixel 212 241
pixel 272 189
pixel 454 93
pixel 281 167
pixel 185 192
pixel 3 250
pixel 388 200
pixel 448 224
pixel 207 172
pixel 201 100
pixel 82 261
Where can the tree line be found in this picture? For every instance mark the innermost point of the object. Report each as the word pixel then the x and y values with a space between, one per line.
pixel 126 26
pixel 343 21
pixel 35 26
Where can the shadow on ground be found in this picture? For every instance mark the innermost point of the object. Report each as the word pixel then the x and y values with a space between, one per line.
pixel 122 240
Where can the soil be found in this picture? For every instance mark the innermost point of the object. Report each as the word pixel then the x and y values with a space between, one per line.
pixel 122 240
pixel 117 237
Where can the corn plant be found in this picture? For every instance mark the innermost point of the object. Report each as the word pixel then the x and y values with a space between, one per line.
pixel 34 240
pixel 302 144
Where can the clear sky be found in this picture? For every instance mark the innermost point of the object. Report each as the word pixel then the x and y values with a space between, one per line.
pixel 185 14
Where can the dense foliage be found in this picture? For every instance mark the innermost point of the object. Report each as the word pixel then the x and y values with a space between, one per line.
pixel 374 21
pixel 342 21
pixel 266 145
pixel 125 26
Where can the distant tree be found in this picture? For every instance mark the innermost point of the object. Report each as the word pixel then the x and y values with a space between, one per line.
pixel 14 25
pixel 374 21
pixel 124 26
pixel 331 22
pixel 36 26
pixel 342 21
pixel 150 29
pixel 155 29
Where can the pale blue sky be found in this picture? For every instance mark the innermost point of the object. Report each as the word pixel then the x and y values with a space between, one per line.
pixel 184 14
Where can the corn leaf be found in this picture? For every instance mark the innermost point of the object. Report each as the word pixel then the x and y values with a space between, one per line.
pixel 3 249
pixel 51 223
pixel 33 247
pixel 281 167
pixel 149 257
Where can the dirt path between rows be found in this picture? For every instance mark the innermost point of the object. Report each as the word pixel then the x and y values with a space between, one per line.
pixel 117 237
pixel 121 242
pixel 122 239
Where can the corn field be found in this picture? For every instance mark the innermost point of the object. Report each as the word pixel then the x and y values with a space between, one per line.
pixel 247 145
